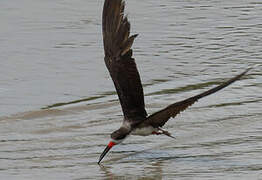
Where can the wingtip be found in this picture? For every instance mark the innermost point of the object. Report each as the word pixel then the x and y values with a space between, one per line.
pixel 250 67
pixel 253 66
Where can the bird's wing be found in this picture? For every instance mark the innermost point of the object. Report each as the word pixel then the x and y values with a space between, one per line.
pixel 158 119
pixel 119 61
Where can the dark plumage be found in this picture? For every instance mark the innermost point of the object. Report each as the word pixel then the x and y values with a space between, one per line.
pixel 158 119
pixel 124 73
pixel 119 61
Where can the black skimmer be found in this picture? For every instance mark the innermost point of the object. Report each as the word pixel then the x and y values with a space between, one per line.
pixel 123 71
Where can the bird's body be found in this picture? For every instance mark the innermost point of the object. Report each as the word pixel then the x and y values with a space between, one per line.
pixel 123 71
pixel 144 131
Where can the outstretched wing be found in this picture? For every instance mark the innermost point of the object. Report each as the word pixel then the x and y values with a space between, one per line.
pixel 158 119
pixel 119 61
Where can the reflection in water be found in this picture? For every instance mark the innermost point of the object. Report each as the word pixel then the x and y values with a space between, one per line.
pixel 154 172
pixel 108 174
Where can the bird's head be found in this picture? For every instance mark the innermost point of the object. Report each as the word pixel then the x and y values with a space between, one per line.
pixel 116 138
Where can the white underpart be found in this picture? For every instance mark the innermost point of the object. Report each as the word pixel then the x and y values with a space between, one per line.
pixel 143 131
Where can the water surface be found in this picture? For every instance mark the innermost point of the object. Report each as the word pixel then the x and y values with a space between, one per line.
pixel 58 104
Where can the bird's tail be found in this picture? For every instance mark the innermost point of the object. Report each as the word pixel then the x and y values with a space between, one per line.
pixel 165 132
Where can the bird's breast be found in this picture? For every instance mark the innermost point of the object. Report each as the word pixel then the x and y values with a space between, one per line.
pixel 144 131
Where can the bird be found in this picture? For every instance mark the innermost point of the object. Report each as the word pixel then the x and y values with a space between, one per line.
pixel 122 68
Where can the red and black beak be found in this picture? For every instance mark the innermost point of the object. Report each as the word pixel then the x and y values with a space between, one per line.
pixel 108 147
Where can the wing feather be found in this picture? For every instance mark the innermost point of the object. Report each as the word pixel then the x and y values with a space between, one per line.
pixel 158 119
pixel 119 61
